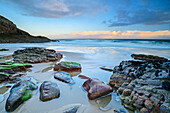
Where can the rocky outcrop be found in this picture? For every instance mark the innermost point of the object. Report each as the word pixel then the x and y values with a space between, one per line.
pixel 143 85
pixel 64 77
pixel 49 90
pixel 9 33
pixel 36 55
pixel 95 87
pixel 8 68
pixel 19 93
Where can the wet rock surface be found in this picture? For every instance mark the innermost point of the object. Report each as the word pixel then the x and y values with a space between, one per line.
pixel 3 49
pixel 63 76
pixel 20 92
pixel 36 55
pixel 68 67
pixel 143 85
pixel 95 88
pixel 49 90
pixel 7 69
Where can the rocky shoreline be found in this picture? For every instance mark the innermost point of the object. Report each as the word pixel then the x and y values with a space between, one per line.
pixel 143 85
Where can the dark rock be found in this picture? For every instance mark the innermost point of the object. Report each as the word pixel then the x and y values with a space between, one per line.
pixel 68 67
pixel 127 92
pixel 106 68
pixel 48 91
pixel 36 55
pixel 19 93
pixel 96 88
pixel 3 77
pixel 63 76
pixel 166 85
pixel 147 57
pixel 3 49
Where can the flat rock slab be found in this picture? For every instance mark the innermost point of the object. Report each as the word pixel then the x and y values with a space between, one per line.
pixel 147 57
pixel 96 88
pixel 106 68
pixel 36 55
pixel 19 93
pixel 49 90
pixel 67 67
pixel 63 76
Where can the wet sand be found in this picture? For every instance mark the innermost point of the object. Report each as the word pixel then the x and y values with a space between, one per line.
pixel 90 58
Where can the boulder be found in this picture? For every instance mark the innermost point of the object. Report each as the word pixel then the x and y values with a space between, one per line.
pixel 49 90
pixel 95 88
pixel 63 76
pixel 68 67
pixel 19 93
pixel 36 55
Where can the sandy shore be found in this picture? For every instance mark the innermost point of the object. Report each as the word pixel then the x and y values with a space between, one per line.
pixel 70 94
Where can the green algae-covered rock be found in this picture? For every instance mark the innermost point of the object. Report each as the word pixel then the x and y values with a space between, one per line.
pixel 68 67
pixel 3 76
pixel 19 93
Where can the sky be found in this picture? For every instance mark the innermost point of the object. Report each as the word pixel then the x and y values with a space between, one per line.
pixel 90 19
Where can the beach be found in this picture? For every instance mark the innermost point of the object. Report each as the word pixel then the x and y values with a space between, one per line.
pixel 91 54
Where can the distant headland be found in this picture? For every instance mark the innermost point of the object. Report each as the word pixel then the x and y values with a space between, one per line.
pixel 9 33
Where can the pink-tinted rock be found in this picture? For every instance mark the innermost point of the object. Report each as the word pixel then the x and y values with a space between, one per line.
pixel 96 88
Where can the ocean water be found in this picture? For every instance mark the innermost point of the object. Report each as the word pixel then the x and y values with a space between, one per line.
pixel 91 54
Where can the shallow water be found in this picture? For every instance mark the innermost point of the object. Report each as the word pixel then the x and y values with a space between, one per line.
pixel 91 55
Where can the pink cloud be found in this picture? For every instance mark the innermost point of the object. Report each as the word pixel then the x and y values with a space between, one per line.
pixel 114 35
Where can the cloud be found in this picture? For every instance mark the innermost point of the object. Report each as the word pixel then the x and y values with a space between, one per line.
pixel 58 8
pixel 146 12
pixel 115 35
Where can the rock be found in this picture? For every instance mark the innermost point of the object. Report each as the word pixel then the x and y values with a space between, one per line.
pixel 49 90
pixel 139 103
pixel 7 68
pixel 147 57
pixel 3 77
pixel 63 76
pixel 19 93
pixel 165 108
pixel 95 87
pixel 144 110
pixel 68 67
pixel 3 49
pixel 148 104
pixel 166 85
pixel 127 92
pixel 106 68
pixel 36 55
pixel 9 33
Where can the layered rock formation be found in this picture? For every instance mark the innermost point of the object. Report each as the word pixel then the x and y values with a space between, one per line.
pixel 9 33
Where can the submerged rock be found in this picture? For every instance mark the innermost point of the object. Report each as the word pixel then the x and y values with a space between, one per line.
pixel 95 87
pixel 68 67
pixel 63 76
pixel 147 57
pixel 36 55
pixel 3 76
pixel 19 93
pixel 106 68
pixel 3 49
pixel 48 91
